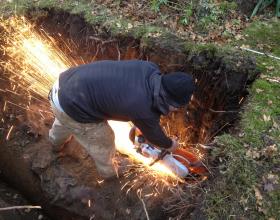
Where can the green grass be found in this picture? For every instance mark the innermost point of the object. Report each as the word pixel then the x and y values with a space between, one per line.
pixel 232 194
pixel 232 191
pixel 265 103
pixel 264 35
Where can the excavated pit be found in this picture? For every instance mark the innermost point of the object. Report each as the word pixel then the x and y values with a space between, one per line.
pixel 63 184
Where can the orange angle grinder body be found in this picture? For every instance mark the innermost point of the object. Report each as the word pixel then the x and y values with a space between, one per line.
pixel 184 163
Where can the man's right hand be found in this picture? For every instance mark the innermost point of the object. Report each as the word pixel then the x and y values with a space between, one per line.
pixel 174 145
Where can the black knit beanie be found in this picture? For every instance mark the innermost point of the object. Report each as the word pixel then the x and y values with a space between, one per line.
pixel 179 86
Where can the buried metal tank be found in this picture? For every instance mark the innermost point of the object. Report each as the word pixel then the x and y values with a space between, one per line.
pixel 66 185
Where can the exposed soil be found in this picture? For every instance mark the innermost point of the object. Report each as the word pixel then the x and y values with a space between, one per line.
pixel 64 183
pixel 9 198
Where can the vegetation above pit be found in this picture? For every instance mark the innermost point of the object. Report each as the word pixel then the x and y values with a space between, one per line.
pixel 249 159
pixel 247 163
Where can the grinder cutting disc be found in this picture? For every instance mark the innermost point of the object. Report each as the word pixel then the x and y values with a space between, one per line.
pixel 186 158
pixel 190 160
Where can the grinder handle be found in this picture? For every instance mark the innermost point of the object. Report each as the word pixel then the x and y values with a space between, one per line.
pixel 162 154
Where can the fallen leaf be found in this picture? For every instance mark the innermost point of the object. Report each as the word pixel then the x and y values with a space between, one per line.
pixel 259 200
pixel 260 46
pixel 241 134
pixel 262 76
pixel 273 79
pixel 270 68
pixel 262 210
pixel 193 36
pixel 259 90
pixel 238 37
pixel 129 26
pixel 273 178
pixel 276 125
pixel 243 200
pixel 269 102
pixel 258 196
pixel 245 46
pixel 254 154
pixel 269 151
pixel 266 118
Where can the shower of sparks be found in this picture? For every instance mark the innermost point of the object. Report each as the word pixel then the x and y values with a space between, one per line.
pixel 33 57
pixel 125 146
pixel 34 62
pixel 9 133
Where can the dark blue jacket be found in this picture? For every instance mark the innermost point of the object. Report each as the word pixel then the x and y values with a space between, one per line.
pixel 118 90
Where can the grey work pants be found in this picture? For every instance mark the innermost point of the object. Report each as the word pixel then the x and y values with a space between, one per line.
pixel 96 138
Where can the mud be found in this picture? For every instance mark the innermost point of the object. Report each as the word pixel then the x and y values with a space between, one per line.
pixel 66 184
pixel 10 198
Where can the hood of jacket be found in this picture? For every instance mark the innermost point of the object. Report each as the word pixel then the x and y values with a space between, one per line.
pixel 160 97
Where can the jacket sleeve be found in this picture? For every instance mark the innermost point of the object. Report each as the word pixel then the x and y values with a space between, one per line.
pixel 153 132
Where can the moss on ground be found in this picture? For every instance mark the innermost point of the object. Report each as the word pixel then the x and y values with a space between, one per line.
pixel 97 14
pixel 246 165
pixel 232 194
pixel 264 35
pixel 252 155
pixel 94 13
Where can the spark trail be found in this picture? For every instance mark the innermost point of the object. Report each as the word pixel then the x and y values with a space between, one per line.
pixel 33 59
